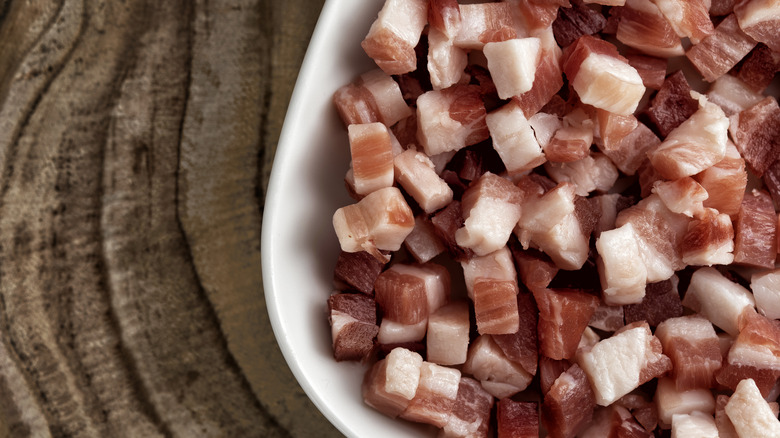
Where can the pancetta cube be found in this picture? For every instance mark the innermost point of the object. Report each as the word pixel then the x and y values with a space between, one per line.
pixel 380 221
pixel 758 68
pixel 575 21
pixel 563 316
pixel 756 133
pixel 497 265
pixel 448 334
pixel 732 94
pixel 642 26
pixel 692 345
pixel 451 119
pixel 423 243
pixel 766 291
pixel 718 299
pixel 673 104
pixel 696 424
pixel 661 302
pixel 569 404
pixel 759 19
pixel 497 374
pixel 392 382
pixel 517 419
pixel 652 70
pixel 483 23
pixel 683 196
pixel 522 346
pixel 353 326
pixel 357 270
pixel 446 63
pixel 572 141
pixel 514 139
pixel 395 33
pixel 622 278
pixel 435 395
pixel 629 151
pixel 725 182
pixel 709 240
pixel 689 18
pixel 444 16
pixel 755 354
pixel 720 51
pixel 617 365
pixel 750 414
pixel 602 77
pixel 512 64
pixel 755 242
pixel 470 415
pixel 373 97
pixel 495 306
pixel 372 157
pixel 548 79
pixel 698 143
pixel 416 174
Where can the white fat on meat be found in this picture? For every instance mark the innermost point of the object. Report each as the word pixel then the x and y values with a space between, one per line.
pixel 392 382
pixel 732 95
pixel 371 150
pixel 609 83
pixel 709 240
pixel 544 126
pixel 438 131
pixel 416 174
pixel 759 19
pixel 695 145
pixel 688 18
pixel 392 332
pixel 694 348
pixel 514 139
pixel 750 413
pixel 684 195
pixel 623 275
pixel 694 425
pixel 594 172
pixel 670 401
pixel 446 63
pixel 482 23
pixel 435 396
pixel 470 416
pixel 766 291
pixel 550 223
pixel 447 339
pixel 393 35
pixel 617 365
pixel 386 92
pixel 512 64
pixel 497 374
pixel 497 265
pixel 491 209
pixel 718 299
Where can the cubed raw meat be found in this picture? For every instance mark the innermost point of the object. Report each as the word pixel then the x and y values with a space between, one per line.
pixel 470 415
pixel 435 395
pixel 651 69
pixel 373 97
pixel 756 132
pixel 619 364
pixel 628 152
pixel 512 64
pixel 720 51
pixel 394 34
pixel 755 242
pixel 683 196
pixel 732 94
pixel 766 291
pixel 725 182
pixel 444 16
pixel 451 119
pixel 548 79
pixel 750 413
pixel 517 419
pixel 709 240
pixel 569 404
pixel 758 68
pixel 759 19
pixel 755 354
pixel 522 346
pixel 357 270
pixel 497 265
pixel 642 26
pixel 563 316
pixel 495 306
pixel 392 382
pixel 353 325
pixel 423 243
pixel 497 374
pixel 514 139
pixel 692 345
pixel 416 174
pixel 661 302
pixel 483 23
pixel 607 318
pixel 372 157
pixel 718 299
pixel 689 18
pixel 622 278
pixel 446 63
pixel 671 401
pixel 448 334
pixel 694 425
pixel 673 104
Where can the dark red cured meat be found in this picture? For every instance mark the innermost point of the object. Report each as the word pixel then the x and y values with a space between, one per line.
pixel 355 341
pixel 719 8
pixel 652 70
pixel 757 135
pixel 535 268
pixel 569 404
pixel 549 370
pixel 401 297
pixel 473 406
pixel 495 306
pixel 547 82
pixel 446 222
pixel 522 346
pixel 563 316
pixel 672 105
pixel 355 104
pixel 716 54
pixel 771 180
pixel 517 419
pixel 357 270
pixel 661 302
pixel 755 242
pixel 759 67
pixel 467 108
pixel 576 21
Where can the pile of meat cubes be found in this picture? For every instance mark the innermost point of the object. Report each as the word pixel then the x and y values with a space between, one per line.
pixel 564 220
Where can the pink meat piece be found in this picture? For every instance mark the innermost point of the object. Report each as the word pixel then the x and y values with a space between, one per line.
pixel 765 286
pixel 483 23
pixel 495 306
pixel 498 375
pixel 755 243
pixel 642 408
pixel 393 333
pixel 551 223
pixel 692 345
pixel 353 325
pixel 673 104
pixel 661 302
pixel 446 222
pixel 719 8
pixel 491 209
pixel 401 296
pixel 595 172
pixel 709 240
pixel 698 143
pixel 451 119
pixel 517 419
pixel 514 139
pixel 642 26
pixel 601 76
pixel 357 270
pixel 688 18
pixel 569 404
pixel 622 279
pixel 725 182
pixel 755 354
pixel 446 63
pixel 545 124
pixel 423 243
pixel 522 346
pixel 392 382
pixel 563 316
pixel 576 21
pixel 759 67
pixel 372 157
pixel 379 222
pixel 444 16
pixel 548 79
pixel 532 15
pixel 415 172
pixel 719 52
pixel 549 370
pixel 572 141
pixel 447 335
pixel 628 152
pixel 435 396
pixel 395 33
pixel 497 265
pixel 613 127
pixel 756 132
pixel 761 20
pixel 652 70
pixel 732 95
pixel 373 97
pixel 535 269
pixel 617 365
pixel 607 318
pixel 722 422
pixel 470 415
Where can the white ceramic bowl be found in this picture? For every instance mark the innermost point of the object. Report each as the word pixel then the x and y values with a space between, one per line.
pixel 299 246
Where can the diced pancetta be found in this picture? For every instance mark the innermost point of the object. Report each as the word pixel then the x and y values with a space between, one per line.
pixel 444 16
pixel 522 346
pixel 642 26
pixel 671 401
pixel 495 306
pixel 373 97
pixel 672 105
pixel 497 374
pixel 594 172
pixel 720 51
pixel 497 265
pixel 630 151
pixel 568 406
pixel 750 414
pixel 372 157
pixel 416 174
pixel 576 21
pixel 709 240
pixel 435 395
pixel 758 68
pixel 718 299
pixel 732 94
pixel 353 326
pixel 446 63
pixel 357 270
pixel 607 318
pixel 759 19
pixel 692 345
pixel 482 23
pixel 661 302
pixel 725 182
pixel 683 196
pixel 622 278
pixel 512 64
pixel 547 80
pixel 755 242
pixel 517 419
pixel 602 77
pixel 544 126
pixel 766 291
pixel 572 141
pixel 450 119
pixel 688 18
pixel 392 382
pixel 696 424
pixel 514 140
pixel 448 334
pixel 619 364
pixel 470 415
pixel 563 316
pixel 756 132
pixel 395 33
pixel 755 354
pixel 698 143
pixel 652 70
pixel 423 243
pixel 446 222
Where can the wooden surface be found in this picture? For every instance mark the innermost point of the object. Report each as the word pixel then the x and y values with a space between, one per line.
pixel 135 144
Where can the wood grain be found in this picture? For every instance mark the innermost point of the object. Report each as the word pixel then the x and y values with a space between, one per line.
pixel 135 143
